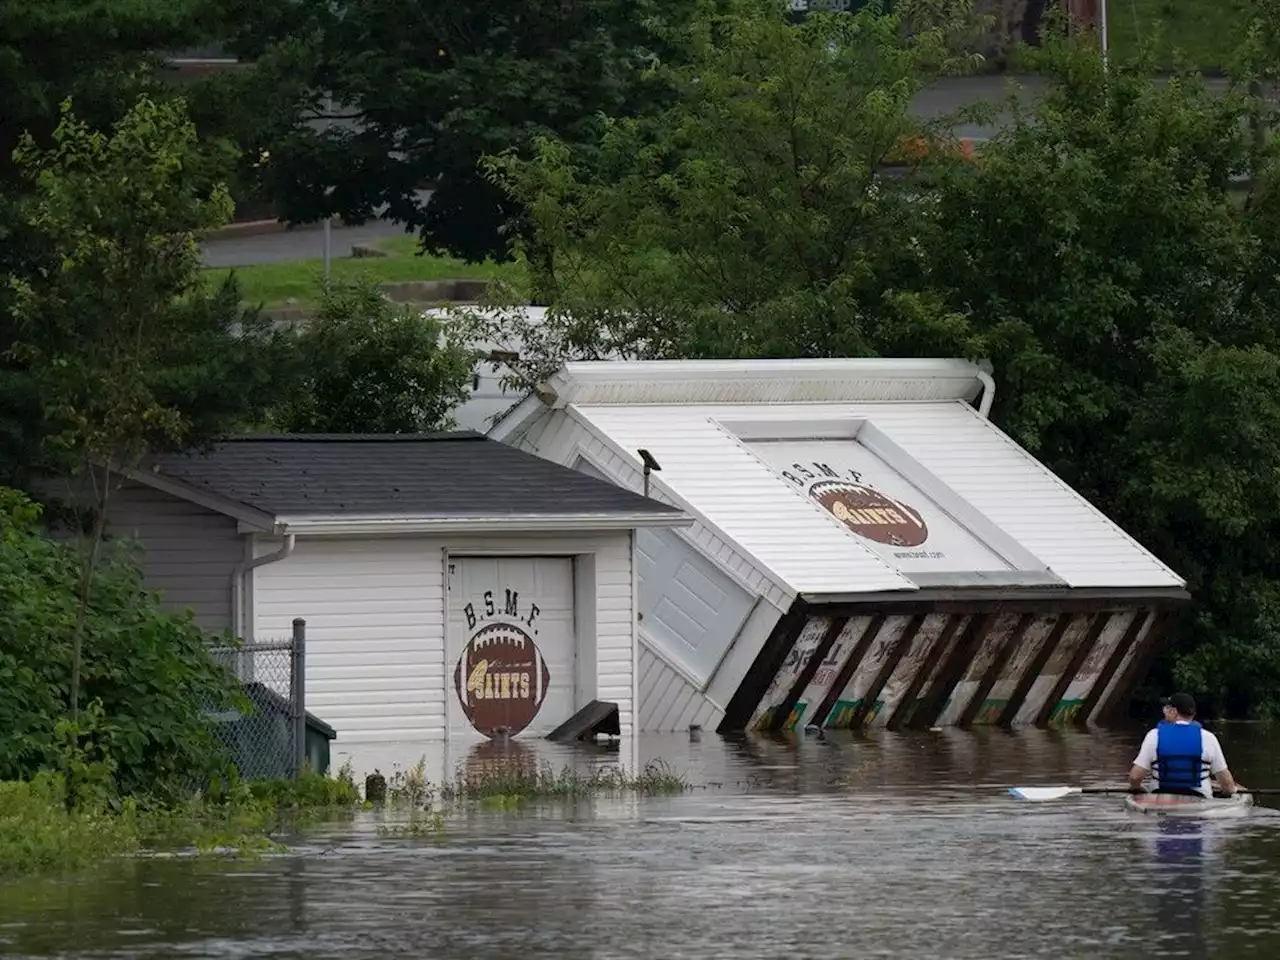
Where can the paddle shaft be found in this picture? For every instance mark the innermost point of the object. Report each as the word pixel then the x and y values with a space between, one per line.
pixel 1271 792
pixel 1110 790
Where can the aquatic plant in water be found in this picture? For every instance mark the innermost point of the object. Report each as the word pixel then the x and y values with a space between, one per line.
pixel 507 785
pixel 527 782
pixel 38 832
pixel 41 832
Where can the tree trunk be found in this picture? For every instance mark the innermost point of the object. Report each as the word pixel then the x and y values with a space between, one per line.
pixel 88 568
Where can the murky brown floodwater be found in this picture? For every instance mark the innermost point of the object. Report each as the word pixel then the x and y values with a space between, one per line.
pixel 884 846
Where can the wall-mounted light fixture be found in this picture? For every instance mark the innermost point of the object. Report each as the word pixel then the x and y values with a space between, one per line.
pixel 650 465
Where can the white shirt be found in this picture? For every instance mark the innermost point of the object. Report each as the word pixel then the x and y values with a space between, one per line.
pixel 1210 752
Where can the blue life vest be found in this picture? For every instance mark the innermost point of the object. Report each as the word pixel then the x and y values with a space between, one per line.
pixel 1179 756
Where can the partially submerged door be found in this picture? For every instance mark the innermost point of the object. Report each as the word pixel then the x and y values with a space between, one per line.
pixel 511 645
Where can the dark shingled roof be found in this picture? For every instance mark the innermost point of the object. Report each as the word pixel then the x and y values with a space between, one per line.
pixel 461 474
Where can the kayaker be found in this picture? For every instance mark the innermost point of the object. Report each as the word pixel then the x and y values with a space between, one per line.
pixel 1181 754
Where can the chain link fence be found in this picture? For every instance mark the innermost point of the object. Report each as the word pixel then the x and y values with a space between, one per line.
pixel 267 741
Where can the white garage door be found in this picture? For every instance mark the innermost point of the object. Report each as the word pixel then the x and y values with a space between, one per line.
pixel 512 648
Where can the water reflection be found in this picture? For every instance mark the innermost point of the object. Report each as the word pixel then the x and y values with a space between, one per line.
pixel 867 845
pixel 1184 851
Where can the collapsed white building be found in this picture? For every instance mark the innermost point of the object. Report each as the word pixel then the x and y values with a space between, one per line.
pixel 868 548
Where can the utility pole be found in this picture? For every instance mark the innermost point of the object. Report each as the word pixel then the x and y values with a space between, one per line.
pixel 1090 15
pixel 1102 17
pixel 328 220
pixel 328 248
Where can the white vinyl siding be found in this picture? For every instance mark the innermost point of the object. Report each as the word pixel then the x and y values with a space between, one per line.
pixel 715 473
pixel 739 495
pixel 375 612
pixel 690 608
pixel 769 538
pixel 375 632
pixel 567 440
pixel 668 701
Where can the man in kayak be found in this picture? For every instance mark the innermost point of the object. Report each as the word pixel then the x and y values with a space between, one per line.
pixel 1181 754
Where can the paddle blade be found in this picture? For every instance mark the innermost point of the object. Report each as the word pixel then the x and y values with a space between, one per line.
pixel 1041 794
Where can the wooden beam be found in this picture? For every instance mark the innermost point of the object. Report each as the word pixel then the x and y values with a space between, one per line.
pixel 768 661
pixel 975 634
pixel 1139 666
pixel 1028 679
pixel 1140 617
pixel 886 671
pixel 998 663
pixel 819 654
pixel 846 671
pixel 1014 601
pixel 1078 657
pixel 902 712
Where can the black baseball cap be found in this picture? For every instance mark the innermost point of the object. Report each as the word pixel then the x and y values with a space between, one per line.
pixel 1182 702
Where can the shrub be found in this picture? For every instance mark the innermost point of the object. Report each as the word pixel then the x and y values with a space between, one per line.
pixel 149 673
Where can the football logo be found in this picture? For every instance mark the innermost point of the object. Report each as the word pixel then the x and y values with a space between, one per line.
pixel 869 513
pixel 501 679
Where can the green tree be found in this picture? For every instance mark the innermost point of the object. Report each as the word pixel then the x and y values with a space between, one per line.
pixel 148 673
pixel 771 210
pixel 125 349
pixel 424 90
pixel 1106 265
pixel 102 55
pixel 368 365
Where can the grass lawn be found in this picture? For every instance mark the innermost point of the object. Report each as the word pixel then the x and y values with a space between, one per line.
pixel 273 284
pixel 1206 31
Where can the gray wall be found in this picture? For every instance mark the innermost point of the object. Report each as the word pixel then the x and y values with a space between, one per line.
pixel 190 551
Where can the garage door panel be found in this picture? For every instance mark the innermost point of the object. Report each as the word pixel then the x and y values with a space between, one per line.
pixel 512 648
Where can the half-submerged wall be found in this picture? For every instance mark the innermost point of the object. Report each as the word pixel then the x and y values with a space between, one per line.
pixel 1010 663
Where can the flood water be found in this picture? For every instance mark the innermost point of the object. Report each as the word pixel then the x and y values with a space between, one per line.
pixel 885 845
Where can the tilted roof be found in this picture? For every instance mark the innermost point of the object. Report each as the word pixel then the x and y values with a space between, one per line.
pixel 764 452
pixel 460 474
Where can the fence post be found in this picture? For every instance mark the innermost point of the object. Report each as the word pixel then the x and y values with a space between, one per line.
pixel 298 683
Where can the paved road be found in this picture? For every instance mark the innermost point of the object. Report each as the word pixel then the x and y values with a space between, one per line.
pixel 300 243
pixel 942 98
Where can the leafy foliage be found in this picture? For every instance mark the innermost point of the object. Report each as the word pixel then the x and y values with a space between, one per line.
pixel 772 210
pixel 389 98
pixel 41 832
pixel 126 349
pixel 102 56
pixel 372 366
pixel 148 673
pixel 1109 269
pixel 38 833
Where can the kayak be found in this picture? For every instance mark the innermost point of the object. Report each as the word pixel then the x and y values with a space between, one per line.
pixel 1179 805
